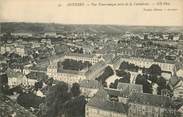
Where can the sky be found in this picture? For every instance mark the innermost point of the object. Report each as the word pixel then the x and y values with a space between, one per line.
pixel 49 11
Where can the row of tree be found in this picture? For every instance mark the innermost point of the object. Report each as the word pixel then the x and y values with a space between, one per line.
pixel 60 100
pixel 70 64
pixel 124 78
pixel 108 71
pixel 128 66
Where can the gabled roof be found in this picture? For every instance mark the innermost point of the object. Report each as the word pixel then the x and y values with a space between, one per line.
pixel 92 84
pixel 100 101
pixel 81 55
pixel 149 99
pixel 174 80
pixel 130 87
pixel 95 69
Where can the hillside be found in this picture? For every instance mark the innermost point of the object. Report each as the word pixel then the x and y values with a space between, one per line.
pixel 52 27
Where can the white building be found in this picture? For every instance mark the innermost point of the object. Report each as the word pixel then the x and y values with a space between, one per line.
pixel 14 81
pixel 146 63
pixel 83 57
pixel 13 48
pixel 20 50
pixel 50 34
pixel 101 106
pixel 70 76
pixel 89 87
pixel 22 34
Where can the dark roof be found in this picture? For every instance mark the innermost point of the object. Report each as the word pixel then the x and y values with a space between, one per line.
pixel 124 90
pixel 80 55
pixel 36 75
pixel 174 80
pixel 93 84
pixel 130 87
pixel 2 57
pixel 116 92
pixel 100 101
pixel 95 69
pixel 149 99
pixel 39 68
pixel 108 58
pixel 116 60
pixel 9 107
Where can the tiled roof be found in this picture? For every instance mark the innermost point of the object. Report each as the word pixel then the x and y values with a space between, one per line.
pixel 100 101
pixel 116 92
pixel 116 60
pixel 56 57
pixel 74 72
pixel 80 55
pixel 149 99
pixel 93 84
pixel 174 80
pixel 130 87
pixel 95 69
pixel 108 58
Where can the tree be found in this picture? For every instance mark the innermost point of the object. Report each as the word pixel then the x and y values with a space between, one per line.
pixel 57 96
pixel 38 85
pixel 144 70
pixel 105 84
pixel 128 66
pixel 125 76
pixel 106 74
pixel 70 64
pixel 123 65
pixel 49 81
pixel 124 80
pixel 75 107
pixel 161 85
pixel 154 70
pixel 111 85
pixel 142 80
pixel 121 73
pixel 17 89
pixel 28 100
pixel 4 88
pixel 116 83
pixel 75 90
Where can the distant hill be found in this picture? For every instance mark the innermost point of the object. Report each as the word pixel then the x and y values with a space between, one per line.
pixel 52 27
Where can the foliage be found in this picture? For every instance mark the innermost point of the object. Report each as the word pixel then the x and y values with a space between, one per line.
pixel 28 100
pixel 57 96
pixel 75 90
pixel 142 79
pixel 154 70
pixel 70 64
pixel 121 73
pixel 60 101
pixel 4 88
pixel 128 66
pixel 75 107
pixel 106 74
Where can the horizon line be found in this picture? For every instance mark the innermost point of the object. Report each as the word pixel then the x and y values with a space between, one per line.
pixel 57 23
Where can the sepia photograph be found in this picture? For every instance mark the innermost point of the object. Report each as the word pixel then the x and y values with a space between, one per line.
pixel 59 60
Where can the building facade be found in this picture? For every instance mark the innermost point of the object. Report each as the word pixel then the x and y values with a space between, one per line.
pixel 148 105
pixel 101 106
